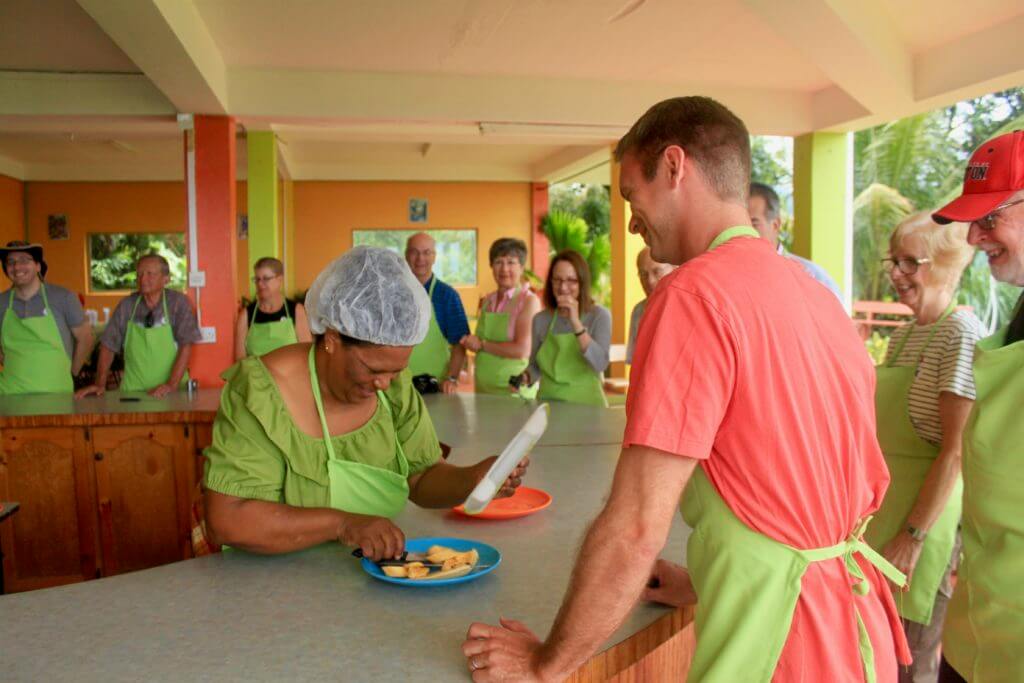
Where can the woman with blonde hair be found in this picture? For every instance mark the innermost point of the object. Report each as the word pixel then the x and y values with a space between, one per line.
pixel 924 394
pixel 272 320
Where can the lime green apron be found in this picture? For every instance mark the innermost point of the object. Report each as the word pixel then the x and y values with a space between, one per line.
pixel 984 632
pixel 432 355
pixel 492 372
pixel 149 353
pixel 356 487
pixel 35 360
pixel 262 338
pixel 565 374
pixel 748 584
pixel 909 458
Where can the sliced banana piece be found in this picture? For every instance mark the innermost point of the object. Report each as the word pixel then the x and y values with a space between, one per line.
pixel 446 573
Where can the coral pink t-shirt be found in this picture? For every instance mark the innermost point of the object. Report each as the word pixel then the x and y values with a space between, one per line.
pixel 746 363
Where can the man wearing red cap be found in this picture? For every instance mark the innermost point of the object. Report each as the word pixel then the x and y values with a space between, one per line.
pixel 983 640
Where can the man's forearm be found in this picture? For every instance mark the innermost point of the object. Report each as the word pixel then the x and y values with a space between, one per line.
pixel 601 593
pixel 180 364
pixel 458 360
pixel 84 343
pixel 103 366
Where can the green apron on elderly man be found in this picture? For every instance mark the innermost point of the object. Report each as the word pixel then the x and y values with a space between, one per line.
pixel 45 338
pixel 154 329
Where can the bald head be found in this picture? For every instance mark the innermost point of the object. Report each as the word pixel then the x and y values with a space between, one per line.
pixel 420 255
pixel 650 271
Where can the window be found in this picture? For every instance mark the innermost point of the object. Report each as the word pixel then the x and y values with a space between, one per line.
pixel 112 258
pixel 456 250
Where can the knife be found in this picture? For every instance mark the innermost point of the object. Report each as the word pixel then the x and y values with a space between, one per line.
pixel 407 557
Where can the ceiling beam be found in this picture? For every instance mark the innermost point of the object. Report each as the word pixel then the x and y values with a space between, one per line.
pixel 853 43
pixel 168 40
pixel 11 168
pixel 973 65
pixel 453 99
pixel 570 161
pixel 50 94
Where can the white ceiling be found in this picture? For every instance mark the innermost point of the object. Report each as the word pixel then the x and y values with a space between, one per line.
pixel 466 89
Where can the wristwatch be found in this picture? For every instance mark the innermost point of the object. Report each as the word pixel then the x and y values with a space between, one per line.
pixel 453 379
pixel 915 533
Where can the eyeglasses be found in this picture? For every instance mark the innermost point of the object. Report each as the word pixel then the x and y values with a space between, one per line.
pixel 265 279
pixel 988 223
pixel 150 318
pixel 907 265
pixel 557 281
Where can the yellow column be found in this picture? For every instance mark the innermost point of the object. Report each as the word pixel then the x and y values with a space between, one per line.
pixel 264 234
pixel 626 289
pixel 288 237
pixel 822 203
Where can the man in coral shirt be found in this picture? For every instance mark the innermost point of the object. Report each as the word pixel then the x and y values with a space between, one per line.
pixel 752 391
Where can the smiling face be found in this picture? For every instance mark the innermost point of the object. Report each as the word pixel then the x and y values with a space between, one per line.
pixel 508 271
pixel 22 268
pixel 1003 244
pixel 918 289
pixel 356 372
pixel 652 208
pixel 565 281
pixel 420 253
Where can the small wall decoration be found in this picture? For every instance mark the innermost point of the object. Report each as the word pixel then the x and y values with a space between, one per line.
pixel 417 210
pixel 57 226
pixel 243 226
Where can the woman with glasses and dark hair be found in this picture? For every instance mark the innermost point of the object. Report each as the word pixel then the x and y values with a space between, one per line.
pixel 272 320
pixel 502 339
pixel 924 393
pixel 571 336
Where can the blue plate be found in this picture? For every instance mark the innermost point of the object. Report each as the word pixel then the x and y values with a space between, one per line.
pixel 488 555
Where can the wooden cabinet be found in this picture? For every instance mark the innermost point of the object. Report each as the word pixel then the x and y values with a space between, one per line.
pixel 95 501
pixel 144 480
pixel 52 540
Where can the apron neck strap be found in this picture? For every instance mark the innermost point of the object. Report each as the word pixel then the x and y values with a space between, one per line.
pixel 935 326
pixel 318 399
pixel 256 306
pixel 551 326
pixel 433 281
pixel 730 233
pixel 163 301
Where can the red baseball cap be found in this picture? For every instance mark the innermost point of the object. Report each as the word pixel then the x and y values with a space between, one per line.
pixel 994 173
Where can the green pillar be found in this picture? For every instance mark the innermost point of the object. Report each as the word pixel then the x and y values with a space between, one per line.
pixel 822 203
pixel 264 229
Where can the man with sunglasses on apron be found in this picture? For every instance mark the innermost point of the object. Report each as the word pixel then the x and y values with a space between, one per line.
pixel 983 640
pixel 750 389
pixel 45 338
pixel 155 329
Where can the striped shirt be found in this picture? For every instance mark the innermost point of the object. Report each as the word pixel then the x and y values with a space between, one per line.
pixel 945 366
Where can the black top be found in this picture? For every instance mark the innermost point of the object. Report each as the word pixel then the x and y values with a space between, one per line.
pixel 262 317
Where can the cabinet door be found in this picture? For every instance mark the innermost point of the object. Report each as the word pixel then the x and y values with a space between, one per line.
pixel 144 476
pixel 52 539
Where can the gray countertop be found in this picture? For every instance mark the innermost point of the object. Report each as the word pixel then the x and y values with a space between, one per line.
pixel 316 615
pixel 111 403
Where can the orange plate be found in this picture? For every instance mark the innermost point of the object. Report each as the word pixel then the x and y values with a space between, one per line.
pixel 524 502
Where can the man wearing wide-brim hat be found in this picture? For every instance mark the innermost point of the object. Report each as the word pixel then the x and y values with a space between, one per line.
pixel 45 338
pixel 983 637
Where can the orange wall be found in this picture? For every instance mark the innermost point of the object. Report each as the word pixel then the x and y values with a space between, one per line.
pixel 12 210
pixel 327 212
pixel 103 207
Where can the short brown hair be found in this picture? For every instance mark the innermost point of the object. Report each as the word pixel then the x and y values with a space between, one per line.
pixel 582 273
pixel 710 134
pixel 508 246
pixel 270 263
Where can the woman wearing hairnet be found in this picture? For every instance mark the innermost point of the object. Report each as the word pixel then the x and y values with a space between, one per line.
pixel 326 441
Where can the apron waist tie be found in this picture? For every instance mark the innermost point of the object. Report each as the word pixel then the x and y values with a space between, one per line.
pixel 855 544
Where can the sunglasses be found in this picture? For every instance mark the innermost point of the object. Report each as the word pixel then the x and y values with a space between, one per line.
pixel 988 223
pixel 150 319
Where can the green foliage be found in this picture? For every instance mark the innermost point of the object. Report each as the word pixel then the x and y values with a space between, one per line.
pixel 580 219
pixel 877 346
pixel 456 250
pixel 113 257
pixel 916 164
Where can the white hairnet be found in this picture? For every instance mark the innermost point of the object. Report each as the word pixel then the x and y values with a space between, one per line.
pixel 369 293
